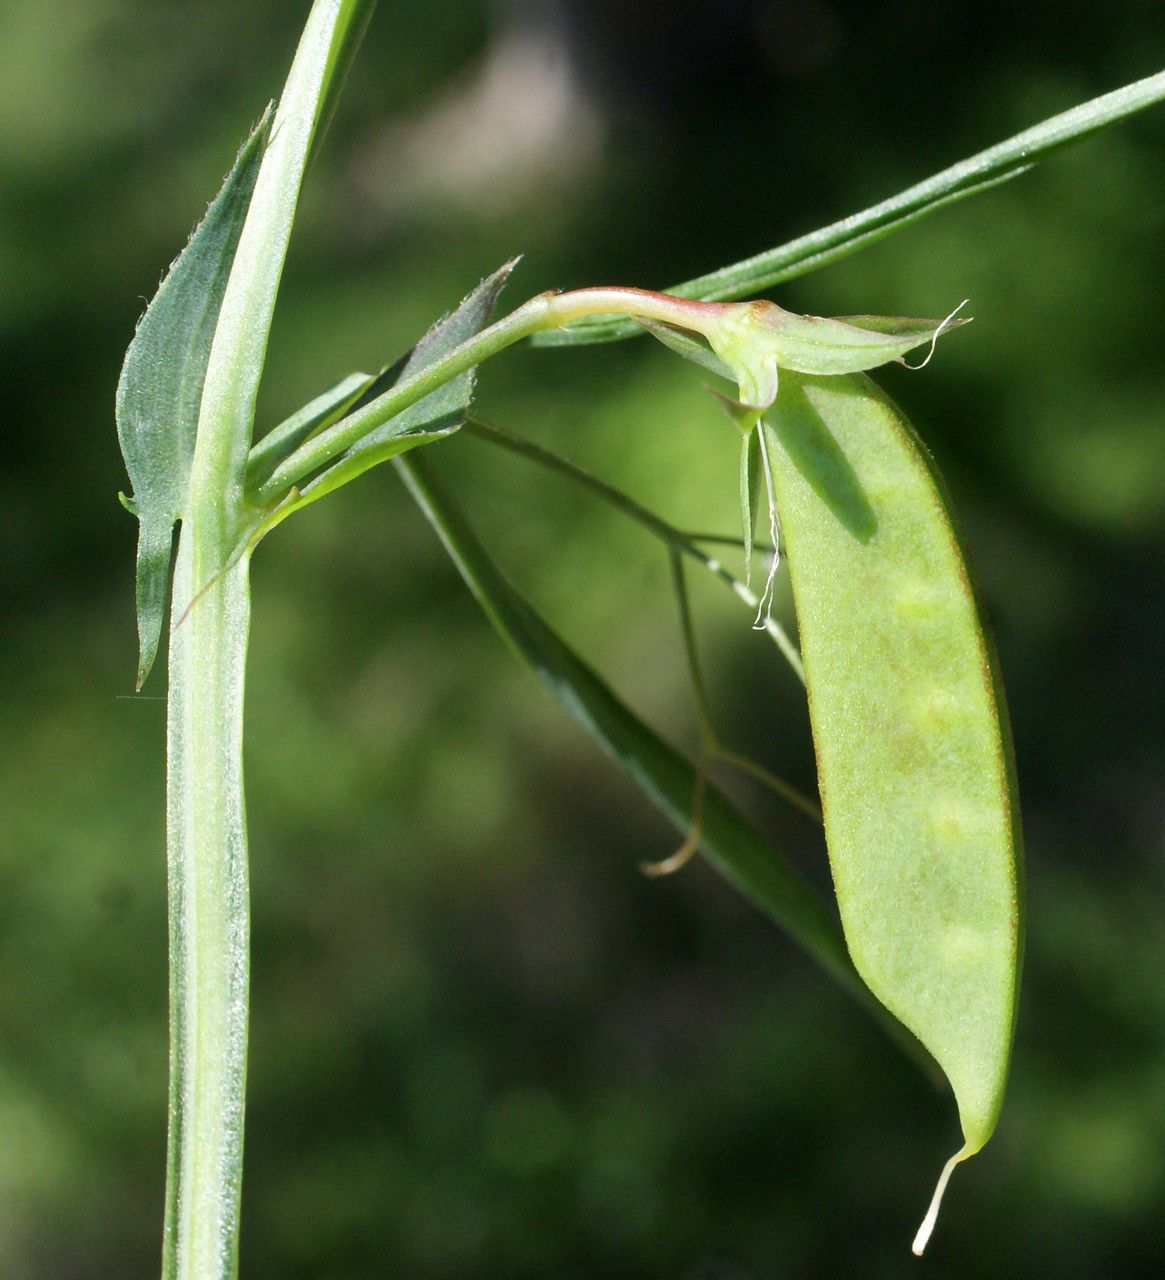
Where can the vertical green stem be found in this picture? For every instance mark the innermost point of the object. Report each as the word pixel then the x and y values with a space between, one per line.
pixel 206 826
pixel 209 914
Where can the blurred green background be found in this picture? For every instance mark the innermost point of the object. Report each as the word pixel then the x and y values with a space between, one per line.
pixel 483 1044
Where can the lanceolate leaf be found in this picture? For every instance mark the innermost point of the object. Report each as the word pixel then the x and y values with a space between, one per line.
pixel 160 389
pixel 914 760
pixel 442 409
pixel 432 418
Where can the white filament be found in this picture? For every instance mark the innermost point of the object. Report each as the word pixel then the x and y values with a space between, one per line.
pixel 935 337
pixel 924 1232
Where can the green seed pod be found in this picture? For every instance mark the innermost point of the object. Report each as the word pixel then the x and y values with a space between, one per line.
pixel 910 729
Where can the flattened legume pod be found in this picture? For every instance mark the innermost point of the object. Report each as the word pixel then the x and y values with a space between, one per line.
pixel 910 729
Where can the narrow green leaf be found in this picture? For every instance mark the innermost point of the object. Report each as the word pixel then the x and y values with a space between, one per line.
pixel 979 173
pixel 161 382
pixel 449 404
pixel 431 418
pixel 728 842
pixel 910 727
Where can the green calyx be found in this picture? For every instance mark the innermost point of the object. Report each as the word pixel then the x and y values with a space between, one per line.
pixel 757 339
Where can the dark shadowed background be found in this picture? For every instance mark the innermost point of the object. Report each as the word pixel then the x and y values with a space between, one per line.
pixel 483 1044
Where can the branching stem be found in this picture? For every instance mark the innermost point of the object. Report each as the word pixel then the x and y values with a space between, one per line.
pixel 540 313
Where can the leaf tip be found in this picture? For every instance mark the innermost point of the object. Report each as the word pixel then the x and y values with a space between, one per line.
pixel 147 652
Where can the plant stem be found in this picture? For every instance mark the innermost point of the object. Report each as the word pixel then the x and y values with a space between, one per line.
pixel 210 616
pixel 209 913
pixel 542 312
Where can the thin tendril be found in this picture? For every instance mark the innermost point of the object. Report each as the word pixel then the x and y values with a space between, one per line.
pixel 710 748
pixel 666 533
